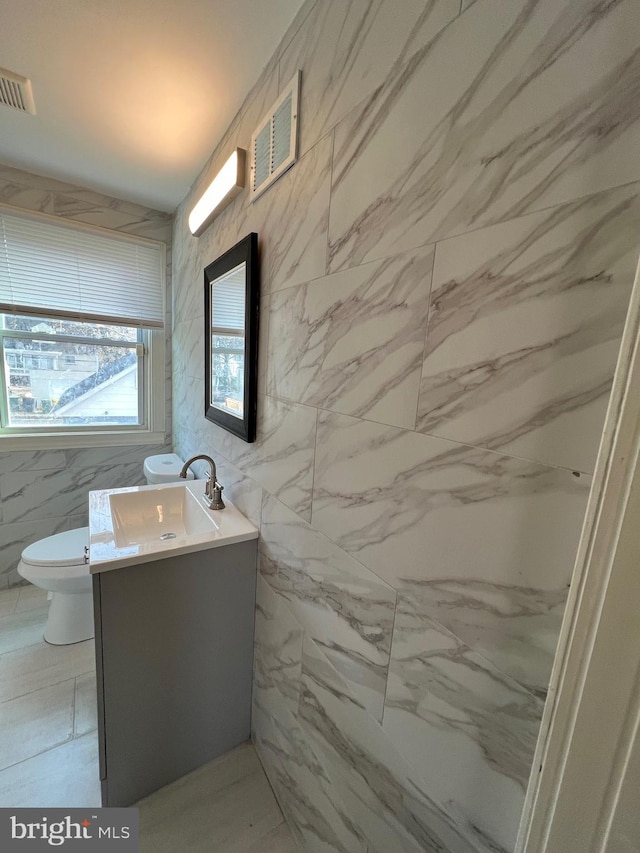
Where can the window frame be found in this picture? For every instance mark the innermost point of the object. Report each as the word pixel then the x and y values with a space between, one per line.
pixel 151 401
pixel 151 384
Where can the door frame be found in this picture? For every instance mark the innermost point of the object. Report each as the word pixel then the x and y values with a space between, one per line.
pixel 592 715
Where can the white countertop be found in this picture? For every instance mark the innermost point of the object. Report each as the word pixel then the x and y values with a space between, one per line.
pixel 125 525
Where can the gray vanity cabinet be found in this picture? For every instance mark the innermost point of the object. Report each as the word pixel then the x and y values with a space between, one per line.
pixel 174 649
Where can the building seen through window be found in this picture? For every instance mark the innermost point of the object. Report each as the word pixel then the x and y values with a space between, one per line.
pixel 62 372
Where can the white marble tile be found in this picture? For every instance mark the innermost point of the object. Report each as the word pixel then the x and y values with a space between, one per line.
pixel 35 722
pixel 278 646
pixel 347 50
pixel 22 195
pixel 524 329
pixel 528 120
pixel 378 788
pixel 30 495
pixel 186 423
pixel 280 459
pixel 295 220
pixel 32 460
pixel 93 457
pixel 448 707
pixel 65 777
pixel 188 349
pixel 11 174
pixel 291 219
pixel 489 539
pixel 40 665
pixel 353 342
pixel 346 608
pixel 187 277
pixel 16 537
pixel 312 807
pixel 243 492
pixel 105 212
pixel 263 342
pixel 48 195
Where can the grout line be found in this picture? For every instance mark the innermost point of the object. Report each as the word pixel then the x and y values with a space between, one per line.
pixel 391 640
pixel 404 429
pixel 511 217
pixel 263 765
pixel 492 665
pixel 20 648
pixel 64 677
pixel 375 576
pixel 44 751
pixel 74 704
pixel 17 601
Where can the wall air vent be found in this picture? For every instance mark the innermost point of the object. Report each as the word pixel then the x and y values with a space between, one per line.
pixel 15 92
pixel 274 144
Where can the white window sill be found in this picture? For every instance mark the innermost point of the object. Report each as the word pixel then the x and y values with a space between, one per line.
pixel 71 440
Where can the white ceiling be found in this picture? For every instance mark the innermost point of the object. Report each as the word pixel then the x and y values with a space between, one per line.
pixel 131 95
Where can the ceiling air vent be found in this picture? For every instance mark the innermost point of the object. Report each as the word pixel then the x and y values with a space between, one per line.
pixel 15 92
pixel 274 144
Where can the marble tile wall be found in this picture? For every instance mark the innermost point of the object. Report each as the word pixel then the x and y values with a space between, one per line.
pixel 45 492
pixel 445 275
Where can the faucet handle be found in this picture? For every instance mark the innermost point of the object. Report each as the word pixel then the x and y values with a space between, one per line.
pixel 213 495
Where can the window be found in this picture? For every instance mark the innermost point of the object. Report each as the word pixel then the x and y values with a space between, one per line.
pixel 81 334
pixel 227 341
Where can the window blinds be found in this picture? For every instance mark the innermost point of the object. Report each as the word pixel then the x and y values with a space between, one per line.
pixel 227 302
pixel 52 268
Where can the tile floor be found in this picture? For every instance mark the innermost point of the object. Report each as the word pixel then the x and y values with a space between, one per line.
pixel 49 750
pixel 48 736
pixel 227 806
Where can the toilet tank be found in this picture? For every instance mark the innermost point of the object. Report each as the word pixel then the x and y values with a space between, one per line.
pixel 164 468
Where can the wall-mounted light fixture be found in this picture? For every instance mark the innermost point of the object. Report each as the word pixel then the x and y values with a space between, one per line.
pixel 223 189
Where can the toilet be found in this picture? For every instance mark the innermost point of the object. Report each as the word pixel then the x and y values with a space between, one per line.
pixel 59 565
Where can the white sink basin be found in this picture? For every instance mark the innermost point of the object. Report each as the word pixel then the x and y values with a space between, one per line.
pixel 141 517
pixel 140 524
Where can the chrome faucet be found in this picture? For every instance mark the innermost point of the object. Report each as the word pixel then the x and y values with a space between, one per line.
pixel 213 489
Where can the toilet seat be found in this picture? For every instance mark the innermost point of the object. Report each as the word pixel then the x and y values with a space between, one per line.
pixel 58 565
pixel 61 549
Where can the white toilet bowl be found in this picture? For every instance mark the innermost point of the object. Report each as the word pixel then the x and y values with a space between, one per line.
pixel 58 565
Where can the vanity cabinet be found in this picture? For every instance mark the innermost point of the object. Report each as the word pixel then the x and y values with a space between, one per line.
pixel 174 649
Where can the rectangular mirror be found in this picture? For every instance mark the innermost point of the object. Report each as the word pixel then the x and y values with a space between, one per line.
pixel 231 297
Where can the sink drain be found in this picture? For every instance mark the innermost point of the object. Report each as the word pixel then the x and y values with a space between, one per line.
pixel 168 535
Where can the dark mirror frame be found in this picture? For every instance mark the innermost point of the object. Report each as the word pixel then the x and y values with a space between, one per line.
pixel 246 251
